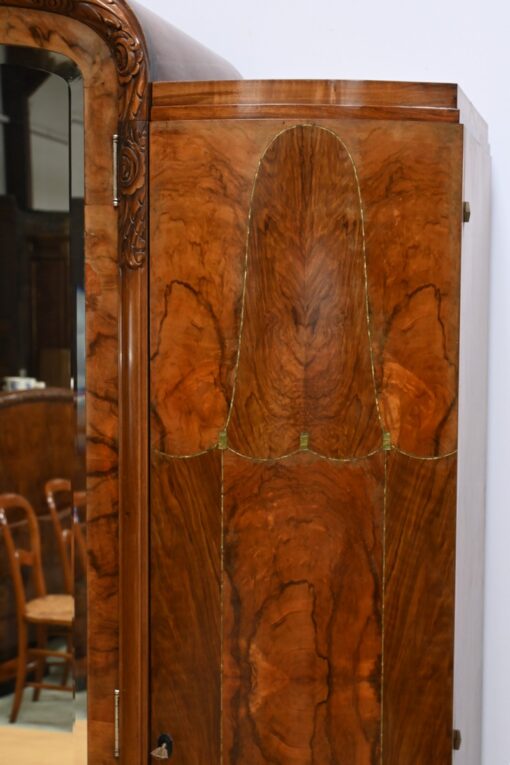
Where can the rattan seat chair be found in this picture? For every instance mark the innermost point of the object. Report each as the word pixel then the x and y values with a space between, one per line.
pixel 46 612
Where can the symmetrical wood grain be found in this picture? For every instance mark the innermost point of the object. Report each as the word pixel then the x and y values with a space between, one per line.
pixel 419 610
pixel 302 610
pixel 335 608
pixel 305 356
pixel 185 607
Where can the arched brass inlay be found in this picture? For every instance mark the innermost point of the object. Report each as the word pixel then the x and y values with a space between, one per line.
pixel 304 372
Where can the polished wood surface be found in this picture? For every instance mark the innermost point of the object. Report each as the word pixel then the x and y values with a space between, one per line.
pixel 419 610
pixel 412 168
pixel 305 285
pixel 302 610
pixel 305 295
pixel 361 93
pixel 317 99
pixel 185 649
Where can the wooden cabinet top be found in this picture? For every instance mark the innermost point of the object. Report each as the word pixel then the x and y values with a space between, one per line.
pixel 281 98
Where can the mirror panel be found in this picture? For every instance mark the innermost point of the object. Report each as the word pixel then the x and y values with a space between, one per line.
pixel 42 405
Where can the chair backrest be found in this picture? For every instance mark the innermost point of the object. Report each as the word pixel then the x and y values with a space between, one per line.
pixel 15 510
pixel 79 523
pixel 58 497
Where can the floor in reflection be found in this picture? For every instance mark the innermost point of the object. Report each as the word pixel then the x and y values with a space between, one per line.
pixel 53 712
pixel 51 731
pixel 25 746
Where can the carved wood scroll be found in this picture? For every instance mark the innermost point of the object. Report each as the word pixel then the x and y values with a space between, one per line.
pixel 118 27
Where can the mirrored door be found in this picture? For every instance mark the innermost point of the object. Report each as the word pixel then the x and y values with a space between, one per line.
pixel 43 503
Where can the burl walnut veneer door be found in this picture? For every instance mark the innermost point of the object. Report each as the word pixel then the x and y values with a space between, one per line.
pixel 304 342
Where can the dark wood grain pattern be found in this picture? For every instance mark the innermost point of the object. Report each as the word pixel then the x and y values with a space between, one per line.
pixel 302 642
pixel 419 610
pixel 336 575
pixel 360 93
pixel 185 604
pixel 196 284
pixel 411 183
pixel 102 396
pixel 304 350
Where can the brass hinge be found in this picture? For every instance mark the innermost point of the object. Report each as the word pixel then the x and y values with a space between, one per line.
pixel 116 739
pixel 115 169
pixel 466 212
pixel 457 739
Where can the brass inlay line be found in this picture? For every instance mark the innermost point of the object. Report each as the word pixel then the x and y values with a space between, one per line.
pixel 383 594
pixel 356 458
pixel 365 277
pixel 324 457
pixel 420 457
pixel 167 456
pixel 246 264
pixel 222 602
pixel 245 280
pixel 386 446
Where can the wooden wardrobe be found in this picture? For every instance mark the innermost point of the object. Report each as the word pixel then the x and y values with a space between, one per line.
pixel 286 404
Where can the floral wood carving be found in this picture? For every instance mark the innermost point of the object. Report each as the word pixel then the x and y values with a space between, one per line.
pixel 115 23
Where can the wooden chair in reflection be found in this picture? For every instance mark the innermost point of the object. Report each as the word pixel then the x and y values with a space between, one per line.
pixel 73 553
pixel 46 612
pixel 58 498
pixel 71 541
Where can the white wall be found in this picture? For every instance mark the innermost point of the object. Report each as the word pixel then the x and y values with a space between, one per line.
pixel 458 41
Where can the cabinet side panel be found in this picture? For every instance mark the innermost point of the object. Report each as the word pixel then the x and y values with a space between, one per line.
pixel 472 453
pixel 418 610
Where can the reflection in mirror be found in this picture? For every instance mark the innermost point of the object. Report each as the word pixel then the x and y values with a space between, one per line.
pixel 43 656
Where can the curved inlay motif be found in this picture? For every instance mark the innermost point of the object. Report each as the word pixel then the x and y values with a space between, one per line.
pixel 305 362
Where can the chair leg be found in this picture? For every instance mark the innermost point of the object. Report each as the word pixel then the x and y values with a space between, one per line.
pixel 68 664
pixel 21 672
pixel 40 670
